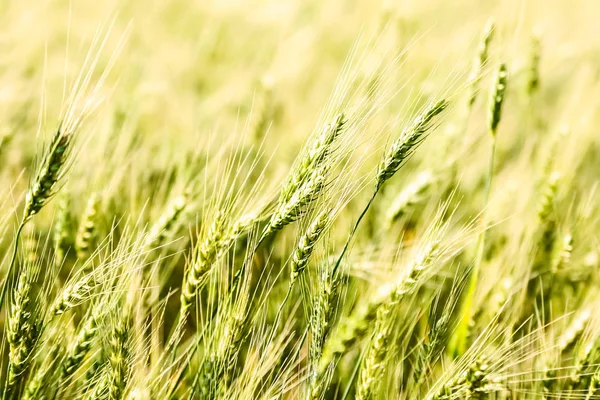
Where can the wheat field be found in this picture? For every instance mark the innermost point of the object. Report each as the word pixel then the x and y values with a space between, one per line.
pixel 260 199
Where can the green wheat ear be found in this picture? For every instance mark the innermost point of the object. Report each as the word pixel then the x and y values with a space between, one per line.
pixel 43 187
pixel 497 99
pixel 119 362
pixel 412 195
pixel 473 382
pixel 313 159
pixel 480 61
pixel 74 293
pixel 533 68
pixel 320 325
pixel 306 244
pixel 43 378
pixel 166 223
pixel 411 137
pixel 206 254
pixel 80 348
pixel 307 179
pixel 88 228
pixel 63 230
pixel 23 328
pixel 376 353
pixel 53 166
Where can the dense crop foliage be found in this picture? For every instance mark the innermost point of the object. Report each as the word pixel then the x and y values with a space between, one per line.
pixel 299 200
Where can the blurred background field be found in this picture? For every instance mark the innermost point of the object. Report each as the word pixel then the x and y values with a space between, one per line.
pixel 196 72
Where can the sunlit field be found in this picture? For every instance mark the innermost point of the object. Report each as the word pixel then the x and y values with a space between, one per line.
pixel 343 199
